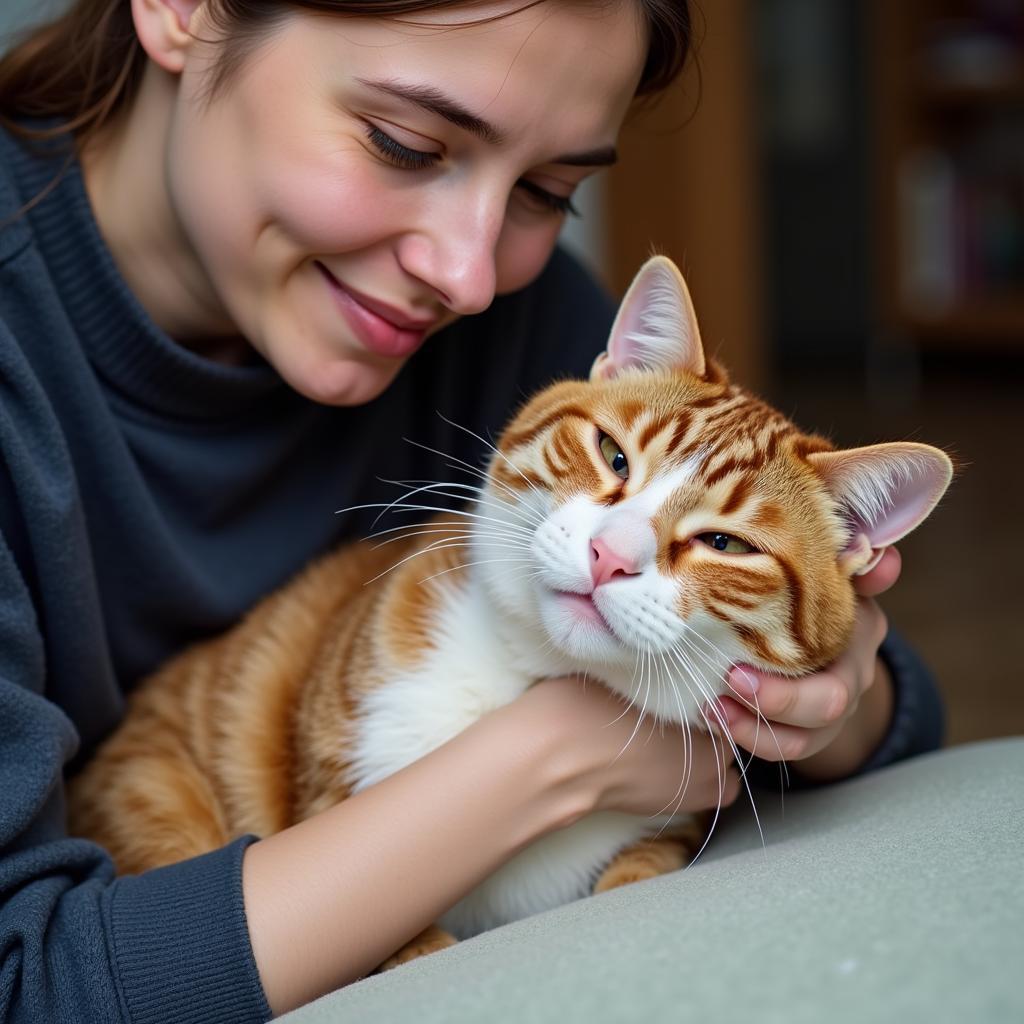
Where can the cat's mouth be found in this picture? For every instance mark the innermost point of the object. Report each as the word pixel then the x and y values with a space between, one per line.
pixel 582 605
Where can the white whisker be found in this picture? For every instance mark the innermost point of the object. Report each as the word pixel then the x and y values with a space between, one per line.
pixel 469 565
pixel 500 454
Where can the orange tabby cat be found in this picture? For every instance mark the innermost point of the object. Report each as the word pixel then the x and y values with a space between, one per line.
pixel 650 527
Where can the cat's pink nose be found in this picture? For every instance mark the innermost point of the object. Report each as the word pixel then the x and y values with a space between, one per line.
pixel 606 563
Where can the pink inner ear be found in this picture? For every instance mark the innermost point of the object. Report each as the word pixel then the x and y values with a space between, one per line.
pixel 884 491
pixel 655 328
pixel 912 500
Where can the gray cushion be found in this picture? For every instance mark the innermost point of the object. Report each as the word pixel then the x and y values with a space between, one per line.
pixel 897 896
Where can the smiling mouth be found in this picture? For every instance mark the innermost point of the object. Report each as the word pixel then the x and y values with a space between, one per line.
pixel 381 328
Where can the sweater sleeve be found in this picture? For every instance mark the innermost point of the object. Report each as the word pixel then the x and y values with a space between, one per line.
pixel 76 943
pixel 918 720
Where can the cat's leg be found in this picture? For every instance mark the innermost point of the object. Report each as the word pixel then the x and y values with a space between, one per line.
pixel 147 809
pixel 430 940
pixel 652 857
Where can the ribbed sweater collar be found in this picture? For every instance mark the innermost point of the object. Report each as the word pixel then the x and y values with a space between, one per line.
pixel 121 341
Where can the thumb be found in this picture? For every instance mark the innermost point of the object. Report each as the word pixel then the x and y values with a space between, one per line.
pixel 882 577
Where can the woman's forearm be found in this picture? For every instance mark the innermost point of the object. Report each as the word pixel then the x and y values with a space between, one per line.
pixel 329 899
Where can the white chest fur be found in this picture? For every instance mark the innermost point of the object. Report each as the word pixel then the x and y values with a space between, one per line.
pixel 471 672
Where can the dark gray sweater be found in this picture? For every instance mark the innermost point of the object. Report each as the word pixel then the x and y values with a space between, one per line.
pixel 148 497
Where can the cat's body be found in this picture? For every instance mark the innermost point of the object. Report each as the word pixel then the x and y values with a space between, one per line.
pixel 562 565
pixel 248 735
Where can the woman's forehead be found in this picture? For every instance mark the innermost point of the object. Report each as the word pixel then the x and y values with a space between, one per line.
pixel 567 67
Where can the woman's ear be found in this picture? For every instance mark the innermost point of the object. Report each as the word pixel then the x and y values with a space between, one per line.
pixel 163 30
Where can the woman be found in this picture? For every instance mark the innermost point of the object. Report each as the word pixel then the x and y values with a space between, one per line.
pixel 228 226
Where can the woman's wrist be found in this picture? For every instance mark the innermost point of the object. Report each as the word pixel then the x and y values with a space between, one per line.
pixel 541 743
pixel 560 763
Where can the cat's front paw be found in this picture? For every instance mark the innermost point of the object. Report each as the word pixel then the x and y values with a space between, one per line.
pixel 646 859
pixel 430 940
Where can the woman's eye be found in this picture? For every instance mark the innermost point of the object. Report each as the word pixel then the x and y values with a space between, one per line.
pixel 613 455
pixel 395 153
pixel 417 160
pixel 548 200
pixel 726 542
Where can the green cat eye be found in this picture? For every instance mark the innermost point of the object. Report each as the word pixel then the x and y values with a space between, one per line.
pixel 727 543
pixel 613 455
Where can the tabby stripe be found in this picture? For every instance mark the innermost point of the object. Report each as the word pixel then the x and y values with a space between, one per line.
pixel 754 462
pixel 530 478
pixel 562 449
pixel 757 642
pixel 805 446
pixel 751 583
pixel 577 458
pixel 768 517
pixel 772 444
pixel 739 495
pixel 709 400
pixel 516 438
pixel 612 497
pixel 796 603
pixel 683 421
pixel 718 613
pixel 652 430
pixel 628 413
pixel 734 599
pixel 506 475
pixel 549 463
pixel 727 417
pixel 676 550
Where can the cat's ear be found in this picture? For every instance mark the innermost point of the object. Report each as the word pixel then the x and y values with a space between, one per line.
pixel 656 328
pixel 884 491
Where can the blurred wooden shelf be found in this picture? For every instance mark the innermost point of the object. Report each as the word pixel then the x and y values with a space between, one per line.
pixel 943 92
pixel 998 322
pixel 948 162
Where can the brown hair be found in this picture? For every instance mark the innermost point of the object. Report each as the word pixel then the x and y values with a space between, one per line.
pixel 79 71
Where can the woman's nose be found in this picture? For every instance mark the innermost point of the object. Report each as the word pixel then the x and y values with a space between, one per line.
pixel 455 254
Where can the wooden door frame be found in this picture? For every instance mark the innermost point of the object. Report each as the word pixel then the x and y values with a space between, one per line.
pixel 687 186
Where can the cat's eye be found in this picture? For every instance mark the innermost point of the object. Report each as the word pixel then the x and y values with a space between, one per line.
pixel 726 543
pixel 613 455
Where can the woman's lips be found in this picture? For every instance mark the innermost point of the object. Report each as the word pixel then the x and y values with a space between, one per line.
pixel 371 326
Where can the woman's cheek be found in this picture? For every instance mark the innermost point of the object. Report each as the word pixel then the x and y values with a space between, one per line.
pixel 328 212
pixel 522 253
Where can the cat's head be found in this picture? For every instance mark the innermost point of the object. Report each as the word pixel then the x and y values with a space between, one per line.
pixel 669 514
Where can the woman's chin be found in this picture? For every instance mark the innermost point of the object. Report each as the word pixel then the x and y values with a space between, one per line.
pixel 341 381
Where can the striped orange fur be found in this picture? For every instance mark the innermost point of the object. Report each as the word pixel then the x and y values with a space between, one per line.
pixel 656 520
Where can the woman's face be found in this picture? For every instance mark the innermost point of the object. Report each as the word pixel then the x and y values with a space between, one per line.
pixel 362 182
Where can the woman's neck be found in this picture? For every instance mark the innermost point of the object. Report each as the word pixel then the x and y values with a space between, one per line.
pixel 124 169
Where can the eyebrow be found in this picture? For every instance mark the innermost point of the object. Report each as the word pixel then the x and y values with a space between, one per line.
pixel 436 102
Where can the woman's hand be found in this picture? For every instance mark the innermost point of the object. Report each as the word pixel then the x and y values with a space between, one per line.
pixel 831 721
pixel 622 762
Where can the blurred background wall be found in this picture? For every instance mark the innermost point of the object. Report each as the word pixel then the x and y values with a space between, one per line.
pixel 842 182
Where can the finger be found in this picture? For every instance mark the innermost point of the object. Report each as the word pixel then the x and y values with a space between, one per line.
pixel 731 789
pixel 882 577
pixel 869 628
pixel 772 741
pixel 725 780
pixel 807 703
